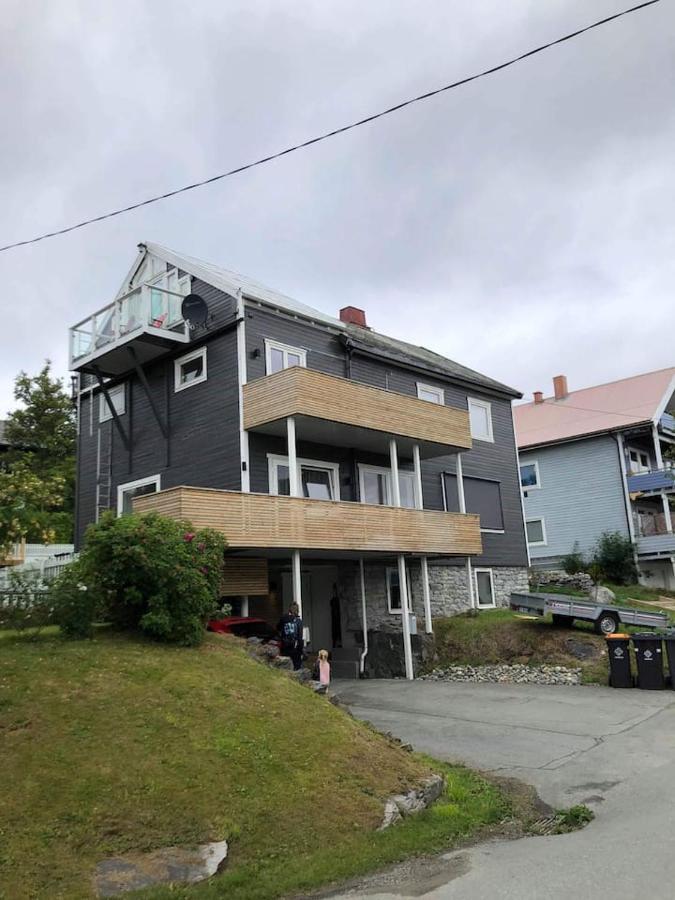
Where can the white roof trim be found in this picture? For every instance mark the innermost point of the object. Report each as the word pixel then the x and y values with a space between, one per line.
pixel 232 283
pixel 661 408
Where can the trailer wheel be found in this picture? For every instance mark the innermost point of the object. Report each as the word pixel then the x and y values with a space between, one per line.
pixel 607 623
pixel 561 621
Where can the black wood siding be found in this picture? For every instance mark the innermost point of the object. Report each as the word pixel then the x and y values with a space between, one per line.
pixel 203 421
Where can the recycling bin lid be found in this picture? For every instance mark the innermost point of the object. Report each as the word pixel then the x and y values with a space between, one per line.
pixel 619 637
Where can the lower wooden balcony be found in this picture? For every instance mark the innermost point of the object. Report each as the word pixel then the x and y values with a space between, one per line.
pixel 264 521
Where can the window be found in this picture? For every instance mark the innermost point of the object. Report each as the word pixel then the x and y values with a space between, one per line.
pixel 485 588
pixel 529 476
pixel 375 487
pixel 189 369
pixel 482 497
pixel 165 309
pixel 281 356
pixel 127 492
pixel 318 480
pixel 480 417
pixel 430 393
pixel 117 398
pixel 394 590
pixel 638 461
pixel 536 532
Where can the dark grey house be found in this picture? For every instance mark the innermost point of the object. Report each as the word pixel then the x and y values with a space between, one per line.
pixel 361 475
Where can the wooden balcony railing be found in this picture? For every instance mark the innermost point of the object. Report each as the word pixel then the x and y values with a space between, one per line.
pixel 307 393
pixel 258 521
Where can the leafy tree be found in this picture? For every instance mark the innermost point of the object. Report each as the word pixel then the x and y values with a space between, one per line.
pixel 42 434
pixel 23 498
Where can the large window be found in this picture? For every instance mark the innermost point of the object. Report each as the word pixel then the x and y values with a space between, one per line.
pixel 281 356
pixel 190 369
pixel 485 588
pixel 638 461
pixel 480 417
pixel 481 496
pixel 536 532
pixel 529 476
pixel 127 492
pixel 375 487
pixel 318 480
pixel 431 394
pixel 117 398
pixel 394 604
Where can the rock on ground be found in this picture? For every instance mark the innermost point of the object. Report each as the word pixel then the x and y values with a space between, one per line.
pixel 507 674
pixel 134 871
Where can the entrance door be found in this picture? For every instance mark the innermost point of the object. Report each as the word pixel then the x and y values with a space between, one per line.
pixel 317 590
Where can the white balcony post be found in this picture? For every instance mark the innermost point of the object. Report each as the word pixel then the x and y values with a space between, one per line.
pixel 417 465
pixel 297 581
pixel 424 571
pixel 469 575
pixel 460 484
pixel 244 607
pixel 364 620
pixel 395 486
pixel 292 458
pixel 659 465
pixel 405 616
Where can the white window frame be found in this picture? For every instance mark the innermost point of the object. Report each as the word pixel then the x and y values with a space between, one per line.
pixel 530 487
pixel 383 470
pixel 476 572
pixel 274 460
pixel 178 385
pixel 104 414
pixel 431 389
pixel 638 452
pixel 130 485
pixel 542 543
pixel 285 349
pixel 389 571
pixel 486 405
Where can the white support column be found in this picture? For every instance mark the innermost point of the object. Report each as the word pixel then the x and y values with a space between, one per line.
pixel 292 458
pixel 395 486
pixel 241 379
pixel 473 603
pixel 417 465
pixel 460 484
pixel 364 620
pixel 405 616
pixel 297 581
pixel 659 465
pixel 244 606
pixel 428 625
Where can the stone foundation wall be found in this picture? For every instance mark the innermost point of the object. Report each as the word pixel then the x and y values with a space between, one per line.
pixel 448 585
pixel 541 578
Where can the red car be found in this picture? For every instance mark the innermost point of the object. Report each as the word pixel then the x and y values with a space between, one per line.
pixel 245 627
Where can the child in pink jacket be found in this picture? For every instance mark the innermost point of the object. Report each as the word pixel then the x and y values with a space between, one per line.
pixel 324 667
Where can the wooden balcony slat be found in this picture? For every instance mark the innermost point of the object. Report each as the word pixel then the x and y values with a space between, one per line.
pixel 305 392
pixel 251 521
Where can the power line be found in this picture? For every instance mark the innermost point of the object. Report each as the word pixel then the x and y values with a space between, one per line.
pixel 333 133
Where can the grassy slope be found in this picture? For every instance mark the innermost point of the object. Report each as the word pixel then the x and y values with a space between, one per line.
pixel 117 744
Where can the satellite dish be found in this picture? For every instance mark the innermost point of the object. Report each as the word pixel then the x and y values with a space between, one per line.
pixel 194 310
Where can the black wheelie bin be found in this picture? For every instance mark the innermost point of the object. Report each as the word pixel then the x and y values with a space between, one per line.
pixel 649 656
pixel 618 653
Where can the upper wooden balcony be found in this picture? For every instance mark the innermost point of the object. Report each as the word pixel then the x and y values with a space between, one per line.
pixel 266 521
pixel 340 412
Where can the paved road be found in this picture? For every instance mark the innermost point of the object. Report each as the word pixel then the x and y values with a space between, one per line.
pixel 613 750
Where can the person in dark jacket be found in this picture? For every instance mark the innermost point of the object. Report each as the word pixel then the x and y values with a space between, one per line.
pixel 290 632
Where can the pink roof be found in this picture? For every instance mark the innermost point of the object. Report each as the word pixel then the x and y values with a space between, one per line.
pixel 605 407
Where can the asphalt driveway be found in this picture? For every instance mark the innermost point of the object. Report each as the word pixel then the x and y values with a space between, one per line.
pixel 613 750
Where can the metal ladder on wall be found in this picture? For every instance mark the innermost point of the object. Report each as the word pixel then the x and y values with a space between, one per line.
pixel 103 469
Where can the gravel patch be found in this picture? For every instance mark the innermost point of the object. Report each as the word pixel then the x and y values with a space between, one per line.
pixel 503 674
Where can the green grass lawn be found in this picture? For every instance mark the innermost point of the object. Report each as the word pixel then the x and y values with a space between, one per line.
pixel 118 744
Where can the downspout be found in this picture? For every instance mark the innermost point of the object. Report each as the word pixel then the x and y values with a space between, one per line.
pixel 362 661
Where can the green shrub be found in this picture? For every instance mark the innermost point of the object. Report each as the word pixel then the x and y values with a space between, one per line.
pixel 613 559
pixel 75 600
pixel 154 573
pixel 25 605
pixel 574 562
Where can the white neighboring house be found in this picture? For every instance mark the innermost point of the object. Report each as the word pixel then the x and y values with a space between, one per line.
pixel 601 459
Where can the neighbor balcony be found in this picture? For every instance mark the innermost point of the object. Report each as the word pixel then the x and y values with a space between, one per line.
pixel 266 521
pixel 651 482
pixel 340 412
pixel 147 319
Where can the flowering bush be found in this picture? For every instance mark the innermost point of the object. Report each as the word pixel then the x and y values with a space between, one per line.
pixel 74 604
pixel 152 573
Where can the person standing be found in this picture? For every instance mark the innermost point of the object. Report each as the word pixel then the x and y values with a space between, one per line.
pixel 290 632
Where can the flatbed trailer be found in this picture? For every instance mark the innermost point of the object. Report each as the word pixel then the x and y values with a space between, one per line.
pixel 565 609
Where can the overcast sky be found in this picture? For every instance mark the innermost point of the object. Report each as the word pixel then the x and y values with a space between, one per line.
pixel 522 225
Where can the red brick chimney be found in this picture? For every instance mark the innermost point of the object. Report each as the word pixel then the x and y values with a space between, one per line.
pixel 538 397
pixel 560 387
pixel 353 315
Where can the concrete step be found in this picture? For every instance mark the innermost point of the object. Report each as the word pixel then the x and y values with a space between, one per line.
pixel 344 668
